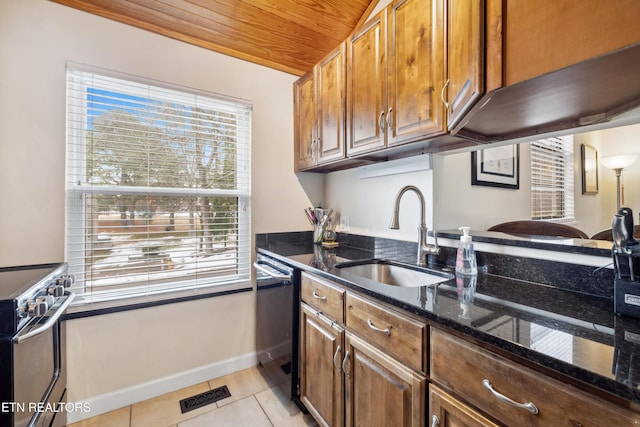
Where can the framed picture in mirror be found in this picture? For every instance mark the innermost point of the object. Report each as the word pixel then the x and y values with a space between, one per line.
pixel 589 158
pixel 496 167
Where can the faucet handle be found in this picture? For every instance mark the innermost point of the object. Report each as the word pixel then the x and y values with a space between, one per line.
pixel 435 249
pixel 435 239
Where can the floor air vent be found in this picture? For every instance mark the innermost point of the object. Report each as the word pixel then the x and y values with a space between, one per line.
pixel 203 399
pixel 286 368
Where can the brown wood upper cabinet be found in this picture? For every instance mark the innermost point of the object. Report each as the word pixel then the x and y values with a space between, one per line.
pixel 554 65
pixel 465 57
pixel 319 112
pixel 395 67
pixel 304 121
pixel 548 35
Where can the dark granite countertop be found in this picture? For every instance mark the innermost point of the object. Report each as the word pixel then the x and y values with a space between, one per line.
pixel 557 244
pixel 573 333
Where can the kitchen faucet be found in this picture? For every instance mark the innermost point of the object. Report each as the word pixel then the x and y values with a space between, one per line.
pixel 424 249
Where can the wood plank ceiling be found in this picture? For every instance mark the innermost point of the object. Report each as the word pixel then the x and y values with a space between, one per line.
pixel 287 35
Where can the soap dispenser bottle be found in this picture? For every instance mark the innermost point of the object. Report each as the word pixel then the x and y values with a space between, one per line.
pixel 466 257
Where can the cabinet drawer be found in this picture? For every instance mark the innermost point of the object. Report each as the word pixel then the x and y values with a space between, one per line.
pixel 390 331
pixel 468 371
pixel 323 296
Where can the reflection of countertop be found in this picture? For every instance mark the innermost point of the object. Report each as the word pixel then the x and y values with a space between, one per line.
pixel 575 334
pixel 559 244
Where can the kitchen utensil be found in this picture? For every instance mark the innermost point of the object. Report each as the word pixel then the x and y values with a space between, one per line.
pixel 620 242
pixel 321 224
pixel 627 213
pixel 309 217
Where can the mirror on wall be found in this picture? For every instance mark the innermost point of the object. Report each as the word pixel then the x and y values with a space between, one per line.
pixel 459 203
pixel 589 169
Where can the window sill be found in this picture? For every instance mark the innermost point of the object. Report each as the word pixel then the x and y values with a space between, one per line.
pixel 88 309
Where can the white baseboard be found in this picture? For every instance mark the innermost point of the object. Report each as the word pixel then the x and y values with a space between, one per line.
pixel 138 393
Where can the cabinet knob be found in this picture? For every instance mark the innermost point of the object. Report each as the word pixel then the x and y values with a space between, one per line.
pixel 381 121
pixel 390 119
pixel 435 422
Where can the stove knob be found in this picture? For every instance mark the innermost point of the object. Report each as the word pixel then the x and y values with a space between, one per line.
pixel 47 299
pixel 66 281
pixel 37 309
pixel 69 280
pixel 56 291
pixel 23 312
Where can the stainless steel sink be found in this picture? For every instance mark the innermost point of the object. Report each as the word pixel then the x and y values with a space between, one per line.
pixel 392 273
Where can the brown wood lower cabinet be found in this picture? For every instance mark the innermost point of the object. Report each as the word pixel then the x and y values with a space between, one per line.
pixel 363 363
pixel 446 411
pixel 514 394
pixel 348 379
pixel 381 391
pixel 321 356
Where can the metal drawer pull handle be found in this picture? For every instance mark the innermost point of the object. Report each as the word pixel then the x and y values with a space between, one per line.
pixel 316 296
pixel 381 121
pixel 386 331
pixel 528 406
pixel 336 363
pixel 446 104
pixel 435 421
pixel 344 364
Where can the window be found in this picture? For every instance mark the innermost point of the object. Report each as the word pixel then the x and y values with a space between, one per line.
pixel 552 179
pixel 158 187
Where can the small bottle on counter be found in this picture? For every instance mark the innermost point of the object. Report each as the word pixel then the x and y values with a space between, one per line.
pixel 466 257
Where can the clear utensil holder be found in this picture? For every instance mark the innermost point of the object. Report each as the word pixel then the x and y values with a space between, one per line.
pixel 318 233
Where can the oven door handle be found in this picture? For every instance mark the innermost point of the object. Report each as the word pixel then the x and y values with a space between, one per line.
pixel 49 323
pixel 270 273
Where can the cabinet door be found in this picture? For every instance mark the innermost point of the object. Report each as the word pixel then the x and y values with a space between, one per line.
pixel 547 35
pixel 380 391
pixel 330 85
pixel 367 87
pixel 445 411
pixel 321 356
pixel 465 57
pixel 304 121
pixel 415 61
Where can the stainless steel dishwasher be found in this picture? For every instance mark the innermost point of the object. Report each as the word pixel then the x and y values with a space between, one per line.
pixel 277 323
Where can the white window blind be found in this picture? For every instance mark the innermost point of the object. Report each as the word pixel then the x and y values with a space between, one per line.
pixel 552 179
pixel 158 187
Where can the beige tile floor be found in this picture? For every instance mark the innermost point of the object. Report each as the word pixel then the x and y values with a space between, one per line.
pixel 254 402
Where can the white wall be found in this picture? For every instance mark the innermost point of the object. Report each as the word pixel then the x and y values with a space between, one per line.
pixel 457 203
pixel 121 358
pixel 37 38
pixel 597 210
pixel 369 202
